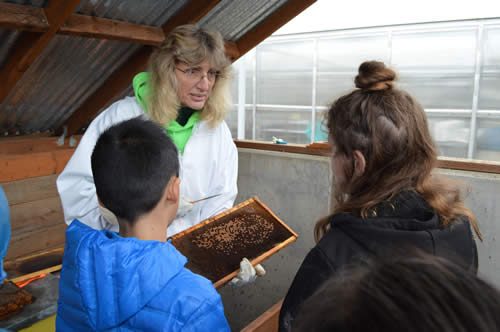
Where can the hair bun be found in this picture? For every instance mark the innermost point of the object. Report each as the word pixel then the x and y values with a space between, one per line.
pixel 374 76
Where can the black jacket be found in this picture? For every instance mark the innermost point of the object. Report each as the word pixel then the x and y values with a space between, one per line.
pixel 401 225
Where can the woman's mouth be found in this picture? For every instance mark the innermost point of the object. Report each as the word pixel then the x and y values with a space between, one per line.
pixel 198 98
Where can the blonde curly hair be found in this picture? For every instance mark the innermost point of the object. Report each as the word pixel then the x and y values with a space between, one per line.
pixel 192 45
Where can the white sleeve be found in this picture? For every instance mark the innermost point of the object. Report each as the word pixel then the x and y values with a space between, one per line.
pixel 76 183
pixel 226 181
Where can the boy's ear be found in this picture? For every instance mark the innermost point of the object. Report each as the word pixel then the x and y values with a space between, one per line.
pixel 173 189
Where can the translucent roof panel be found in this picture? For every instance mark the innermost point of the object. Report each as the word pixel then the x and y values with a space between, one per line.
pixel 233 18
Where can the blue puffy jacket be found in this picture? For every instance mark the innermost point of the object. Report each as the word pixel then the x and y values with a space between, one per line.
pixel 124 284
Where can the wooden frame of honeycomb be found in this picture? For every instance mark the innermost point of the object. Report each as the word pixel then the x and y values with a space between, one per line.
pixel 216 246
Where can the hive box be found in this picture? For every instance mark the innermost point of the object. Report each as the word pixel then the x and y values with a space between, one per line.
pixel 216 246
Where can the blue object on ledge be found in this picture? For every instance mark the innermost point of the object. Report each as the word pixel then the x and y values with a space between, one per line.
pixel 277 140
pixel 4 231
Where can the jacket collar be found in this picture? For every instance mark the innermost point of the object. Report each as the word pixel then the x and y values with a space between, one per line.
pixel 406 211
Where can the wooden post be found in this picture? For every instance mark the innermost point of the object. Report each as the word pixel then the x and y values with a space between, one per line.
pixel 30 45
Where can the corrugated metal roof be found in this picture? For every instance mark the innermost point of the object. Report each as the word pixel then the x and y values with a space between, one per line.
pixel 233 18
pixel 69 71
pixel 148 12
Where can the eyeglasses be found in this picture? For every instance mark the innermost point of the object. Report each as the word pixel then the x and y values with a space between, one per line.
pixel 196 74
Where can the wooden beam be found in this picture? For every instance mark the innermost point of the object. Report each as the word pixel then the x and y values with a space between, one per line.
pixel 18 167
pixel 29 46
pixel 29 18
pixel 25 243
pixel 95 27
pixel 11 71
pixel 38 261
pixel 13 16
pixel 290 148
pixel 273 22
pixel 469 165
pixel 231 50
pixel 30 190
pixel 122 77
pixel 36 214
pixel 22 145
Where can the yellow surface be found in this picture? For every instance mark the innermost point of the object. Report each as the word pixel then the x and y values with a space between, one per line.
pixel 45 325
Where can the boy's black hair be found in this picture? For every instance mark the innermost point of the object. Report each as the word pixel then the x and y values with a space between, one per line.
pixel 132 163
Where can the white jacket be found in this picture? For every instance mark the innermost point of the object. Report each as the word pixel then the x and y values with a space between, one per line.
pixel 209 166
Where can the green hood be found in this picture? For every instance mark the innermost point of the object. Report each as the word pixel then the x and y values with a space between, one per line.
pixel 179 134
pixel 142 88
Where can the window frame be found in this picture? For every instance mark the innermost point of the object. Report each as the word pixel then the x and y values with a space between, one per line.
pixel 324 149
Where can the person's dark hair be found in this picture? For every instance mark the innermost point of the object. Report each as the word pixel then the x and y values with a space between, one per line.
pixel 132 163
pixel 389 127
pixel 407 294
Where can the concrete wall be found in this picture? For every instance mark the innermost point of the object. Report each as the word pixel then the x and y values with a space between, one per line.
pixel 297 188
pixel 482 196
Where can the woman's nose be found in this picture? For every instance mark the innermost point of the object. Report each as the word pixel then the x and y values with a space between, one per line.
pixel 203 83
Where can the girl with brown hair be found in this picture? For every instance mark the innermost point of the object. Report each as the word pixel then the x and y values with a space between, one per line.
pixel 387 200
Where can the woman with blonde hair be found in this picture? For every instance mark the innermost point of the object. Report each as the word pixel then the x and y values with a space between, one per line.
pixel 186 91
pixel 387 200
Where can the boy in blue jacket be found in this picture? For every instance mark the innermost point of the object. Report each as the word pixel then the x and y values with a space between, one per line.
pixel 134 280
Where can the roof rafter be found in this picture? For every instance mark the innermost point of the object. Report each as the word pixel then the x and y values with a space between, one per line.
pixel 30 45
pixel 22 17
pixel 103 28
pixel 192 12
pixel 231 50
pixel 28 18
